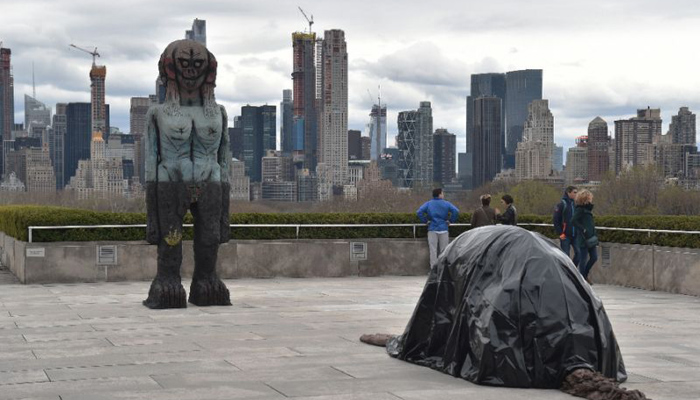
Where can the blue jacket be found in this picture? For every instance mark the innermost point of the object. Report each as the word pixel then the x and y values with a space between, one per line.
pixel 563 217
pixel 438 211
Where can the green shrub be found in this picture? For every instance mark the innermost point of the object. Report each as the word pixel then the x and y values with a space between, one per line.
pixel 14 221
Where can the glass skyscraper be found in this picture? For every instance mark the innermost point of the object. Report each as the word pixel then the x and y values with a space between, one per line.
pixel 522 87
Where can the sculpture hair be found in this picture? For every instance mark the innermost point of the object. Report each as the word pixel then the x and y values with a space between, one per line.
pixel 166 69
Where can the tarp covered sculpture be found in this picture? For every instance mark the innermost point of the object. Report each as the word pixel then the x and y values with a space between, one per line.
pixel 505 307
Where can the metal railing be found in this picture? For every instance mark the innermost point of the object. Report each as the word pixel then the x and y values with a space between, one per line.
pixel 298 227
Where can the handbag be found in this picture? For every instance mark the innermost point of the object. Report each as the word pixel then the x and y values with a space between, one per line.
pixel 592 241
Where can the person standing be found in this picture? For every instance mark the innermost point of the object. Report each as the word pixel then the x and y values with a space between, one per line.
pixel 484 215
pixel 437 213
pixel 563 215
pixel 510 215
pixel 586 238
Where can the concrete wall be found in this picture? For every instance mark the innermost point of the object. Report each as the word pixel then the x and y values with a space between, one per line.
pixel 66 262
pixel 675 270
pixel 668 269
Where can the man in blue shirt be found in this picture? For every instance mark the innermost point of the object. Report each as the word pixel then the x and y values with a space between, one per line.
pixel 437 213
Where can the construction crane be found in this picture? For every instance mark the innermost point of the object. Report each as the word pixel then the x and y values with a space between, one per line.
pixel 311 21
pixel 93 53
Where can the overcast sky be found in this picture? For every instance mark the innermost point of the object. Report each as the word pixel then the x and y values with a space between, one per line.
pixel 600 58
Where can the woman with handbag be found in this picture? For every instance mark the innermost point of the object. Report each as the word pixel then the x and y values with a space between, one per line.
pixel 586 238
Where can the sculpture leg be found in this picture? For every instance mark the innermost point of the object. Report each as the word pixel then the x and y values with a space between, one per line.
pixel 166 289
pixel 207 289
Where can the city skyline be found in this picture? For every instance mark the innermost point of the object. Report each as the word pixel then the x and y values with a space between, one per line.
pixel 581 48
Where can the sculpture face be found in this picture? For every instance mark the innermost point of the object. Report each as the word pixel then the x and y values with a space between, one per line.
pixel 191 65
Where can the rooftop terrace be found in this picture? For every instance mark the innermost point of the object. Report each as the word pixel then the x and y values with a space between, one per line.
pixel 285 338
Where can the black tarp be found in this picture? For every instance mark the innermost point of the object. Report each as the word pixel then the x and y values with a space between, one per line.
pixel 505 307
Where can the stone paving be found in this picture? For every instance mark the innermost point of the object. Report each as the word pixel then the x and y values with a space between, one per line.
pixel 285 338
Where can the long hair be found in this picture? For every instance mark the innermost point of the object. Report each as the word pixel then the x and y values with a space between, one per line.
pixel 166 69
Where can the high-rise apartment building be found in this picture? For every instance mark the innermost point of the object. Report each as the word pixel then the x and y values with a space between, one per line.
pixel 598 145
pixel 98 74
pixel 235 134
pixel 240 183
pixel 198 33
pixel 377 130
pixel 415 143
pixel 288 142
pixel 137 127
pixel 40 172
pixel 259 131
pixel 333 130
pixel 577 162
pixel 305 118
pixel 444 157
pixel 632 137
pixel 486 144
pixel 7 101
pixel 522 88
pixel 683 127
pixel 57 146
pixel 533 157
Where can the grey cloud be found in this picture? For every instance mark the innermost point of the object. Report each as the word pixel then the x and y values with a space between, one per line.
pixel 422 63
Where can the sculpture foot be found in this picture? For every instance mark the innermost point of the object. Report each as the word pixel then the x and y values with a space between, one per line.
pixel 209 292
pixel 376 339
pixel 166 293
pixel 593 385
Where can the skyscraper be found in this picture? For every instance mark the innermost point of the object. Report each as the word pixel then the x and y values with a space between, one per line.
pixel 137 127
pixel 333 138
pixel 59 129
pixel 77 138
pixel 683 127
pixel 598 143
pixel 259 135
pixel 287 140
pixel 377 130
pixel 415 143
pixel 485 85
pixel 522 87
pixel 354 145
pixel 558 158
pixel 444 156
pixel 486 146
pixel 533 157
pixel 198 33
pixel 304 120
pixel 235 134
pixel 98 74
pixel 577 162
pixel 633 136
pixel 7 101
pixel 36 114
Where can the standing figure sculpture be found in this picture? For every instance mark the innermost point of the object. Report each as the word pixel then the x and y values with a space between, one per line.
pixel 187 156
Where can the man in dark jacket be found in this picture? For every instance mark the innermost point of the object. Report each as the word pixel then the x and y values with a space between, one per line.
pixel 562 219
pixel 483 215
pixel 510 215
pixel 437 213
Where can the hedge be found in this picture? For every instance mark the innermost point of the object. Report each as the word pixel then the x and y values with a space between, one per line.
pixel 14 221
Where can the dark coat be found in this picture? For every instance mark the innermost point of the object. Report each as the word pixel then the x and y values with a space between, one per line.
pixel 584 224
pixel 483 216
pixel 509 216
pixel 563 215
